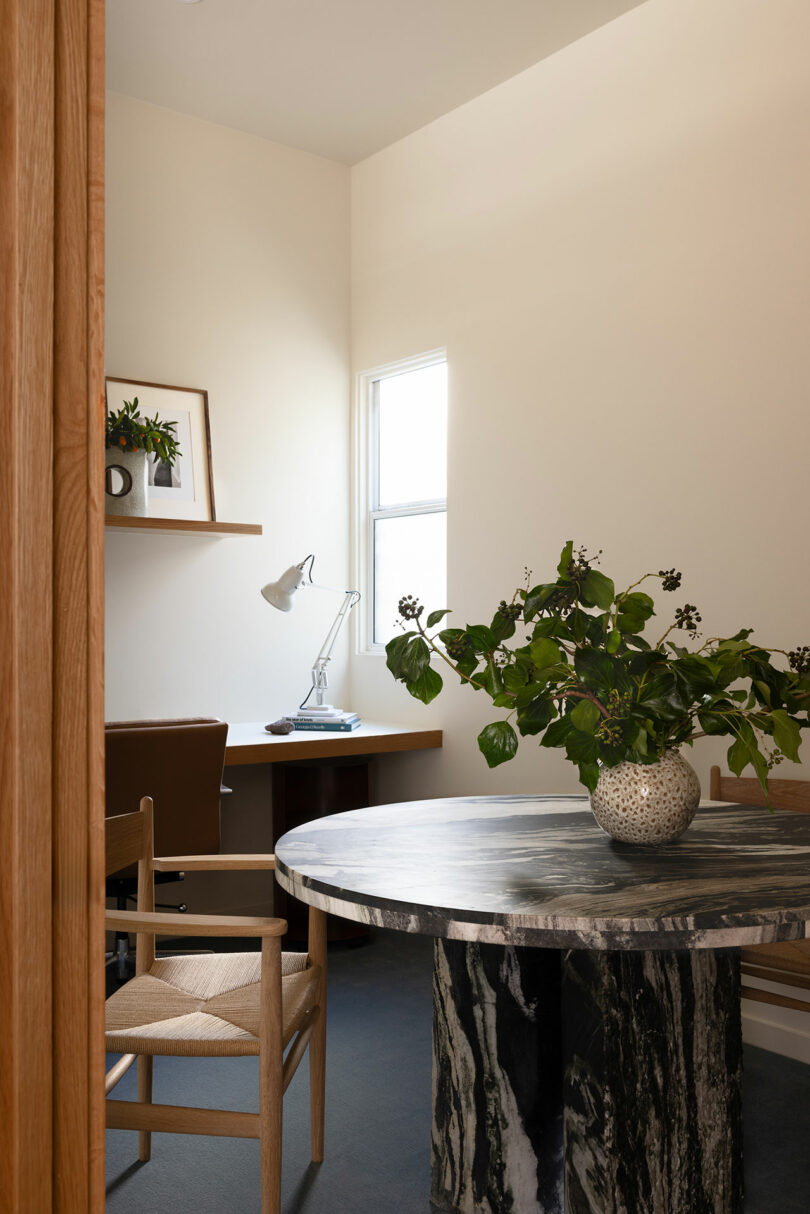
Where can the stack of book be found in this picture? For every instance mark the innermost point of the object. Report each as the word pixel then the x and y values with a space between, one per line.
pixel 335 720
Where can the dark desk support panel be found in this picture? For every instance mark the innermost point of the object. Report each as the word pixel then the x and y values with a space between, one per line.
pixel 303 791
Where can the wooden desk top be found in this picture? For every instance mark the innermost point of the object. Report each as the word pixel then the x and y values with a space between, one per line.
pixel 251 743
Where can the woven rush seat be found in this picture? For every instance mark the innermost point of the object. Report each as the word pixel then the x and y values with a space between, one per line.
pixel 206 1005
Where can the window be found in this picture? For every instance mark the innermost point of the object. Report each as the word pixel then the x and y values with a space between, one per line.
pixel 403 502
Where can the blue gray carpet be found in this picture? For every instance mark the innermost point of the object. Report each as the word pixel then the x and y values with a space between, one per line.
pixel 378 1112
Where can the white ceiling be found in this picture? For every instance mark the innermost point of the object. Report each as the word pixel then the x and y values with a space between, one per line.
pixel 340 78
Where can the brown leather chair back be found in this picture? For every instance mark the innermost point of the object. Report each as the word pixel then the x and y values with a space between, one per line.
pixel 178 763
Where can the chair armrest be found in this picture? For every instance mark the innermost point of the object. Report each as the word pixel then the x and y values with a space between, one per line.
pixel 190 864
pixel 192 925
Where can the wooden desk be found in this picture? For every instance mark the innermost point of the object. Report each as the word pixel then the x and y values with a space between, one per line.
pixel 317 773
pixel 252 743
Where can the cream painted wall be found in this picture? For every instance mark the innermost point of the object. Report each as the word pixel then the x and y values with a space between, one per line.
pixel 613 246
pixel 227 269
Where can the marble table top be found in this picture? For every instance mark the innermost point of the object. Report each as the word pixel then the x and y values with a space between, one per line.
pixel 539 871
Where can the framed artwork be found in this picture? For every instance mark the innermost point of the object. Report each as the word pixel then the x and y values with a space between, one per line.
pixel 186 488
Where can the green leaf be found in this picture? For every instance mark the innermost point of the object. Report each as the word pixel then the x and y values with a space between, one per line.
pixel 491 679
pixel 613 641
pixel 712 723
pixel 566 556
pixel 581 747
pixel 395 650
pixel 544 653
pixel 481 638
pixel 594 668
pixel 427 686
pixel 786 734
pixel 435 616
pixel 498 743
pixel 534 718
pixel 515 676
pixel 557 732
pixel 415 659
pixel 597 590
pixel 585 716
pixel 502 627
pixel 589 775
pixel 764 691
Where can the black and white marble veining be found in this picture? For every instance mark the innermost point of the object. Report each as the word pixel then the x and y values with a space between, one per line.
pixel 539 871
pixel 616 1088
pixel 497 1083
pixel 652 1061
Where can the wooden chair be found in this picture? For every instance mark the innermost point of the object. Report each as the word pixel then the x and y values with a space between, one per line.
pixel 213 1005
pixel 786 962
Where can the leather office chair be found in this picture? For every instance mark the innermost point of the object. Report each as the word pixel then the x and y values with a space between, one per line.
pixel 225 1004
pixel 786 962
pixel 179 764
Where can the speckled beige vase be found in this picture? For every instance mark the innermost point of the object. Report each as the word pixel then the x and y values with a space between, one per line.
pixel 646 803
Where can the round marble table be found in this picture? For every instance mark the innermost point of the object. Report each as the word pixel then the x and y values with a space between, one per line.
pixel 587 1039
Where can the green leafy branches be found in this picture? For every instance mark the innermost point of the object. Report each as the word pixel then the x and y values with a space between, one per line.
pixel 585 679
pixel 128 431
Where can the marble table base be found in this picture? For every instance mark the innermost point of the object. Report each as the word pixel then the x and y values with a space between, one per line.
pixel 586 1082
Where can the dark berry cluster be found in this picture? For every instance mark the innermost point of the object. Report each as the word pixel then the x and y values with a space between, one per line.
pixel 670 580
pixel 800 659
pixel 580 564
pixel 409 607
pixel 501 658
pixel 610 734
pixel 509 611
pixel 687 617
pixel 774 758
pixel 455 648
pixel 619 702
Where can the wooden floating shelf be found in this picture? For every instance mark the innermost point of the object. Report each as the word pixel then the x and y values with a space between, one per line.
pixel 180 526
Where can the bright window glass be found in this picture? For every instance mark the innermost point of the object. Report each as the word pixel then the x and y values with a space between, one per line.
pixel 412 434
pixel 410 557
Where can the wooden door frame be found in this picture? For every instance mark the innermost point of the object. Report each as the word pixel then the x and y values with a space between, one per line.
pixel 51 605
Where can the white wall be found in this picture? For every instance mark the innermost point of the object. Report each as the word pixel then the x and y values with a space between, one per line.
pixel 613 246
pixel 227 269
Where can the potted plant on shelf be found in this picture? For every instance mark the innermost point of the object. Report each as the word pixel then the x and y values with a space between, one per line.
pixel 129 440
pixel 584 678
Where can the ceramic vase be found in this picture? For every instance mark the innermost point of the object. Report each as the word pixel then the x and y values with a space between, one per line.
pixel 646 803
pixel 125 478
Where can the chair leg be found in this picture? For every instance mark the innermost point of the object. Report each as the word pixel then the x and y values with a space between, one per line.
pixel 271 1080
pixel 145 1067
pixel 317 1085
pixel 317 1042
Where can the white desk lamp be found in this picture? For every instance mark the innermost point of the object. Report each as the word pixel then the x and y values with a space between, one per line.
pixel 281 595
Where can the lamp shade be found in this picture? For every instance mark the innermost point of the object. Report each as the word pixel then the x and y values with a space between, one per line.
pixel 280 593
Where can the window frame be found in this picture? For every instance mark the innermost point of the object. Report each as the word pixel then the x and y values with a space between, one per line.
pixel 367 507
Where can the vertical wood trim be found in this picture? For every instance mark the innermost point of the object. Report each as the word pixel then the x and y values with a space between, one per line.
pixel 25 589
pixel 94 740
pixel 51 744
pixel 77 643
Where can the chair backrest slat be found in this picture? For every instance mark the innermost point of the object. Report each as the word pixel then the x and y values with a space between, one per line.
pixel 125 841
pixel 784 794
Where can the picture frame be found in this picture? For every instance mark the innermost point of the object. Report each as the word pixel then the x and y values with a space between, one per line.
pixel 185 490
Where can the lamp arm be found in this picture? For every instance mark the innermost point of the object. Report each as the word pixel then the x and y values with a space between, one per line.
pixel 319 677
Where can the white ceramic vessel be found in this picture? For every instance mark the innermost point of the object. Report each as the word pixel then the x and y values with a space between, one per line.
pixel 125 477
pixel 646 803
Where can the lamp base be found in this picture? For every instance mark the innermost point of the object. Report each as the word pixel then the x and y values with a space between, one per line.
pixel 325 712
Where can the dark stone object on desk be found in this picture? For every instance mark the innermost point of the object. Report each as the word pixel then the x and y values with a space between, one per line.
pixel 280 727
